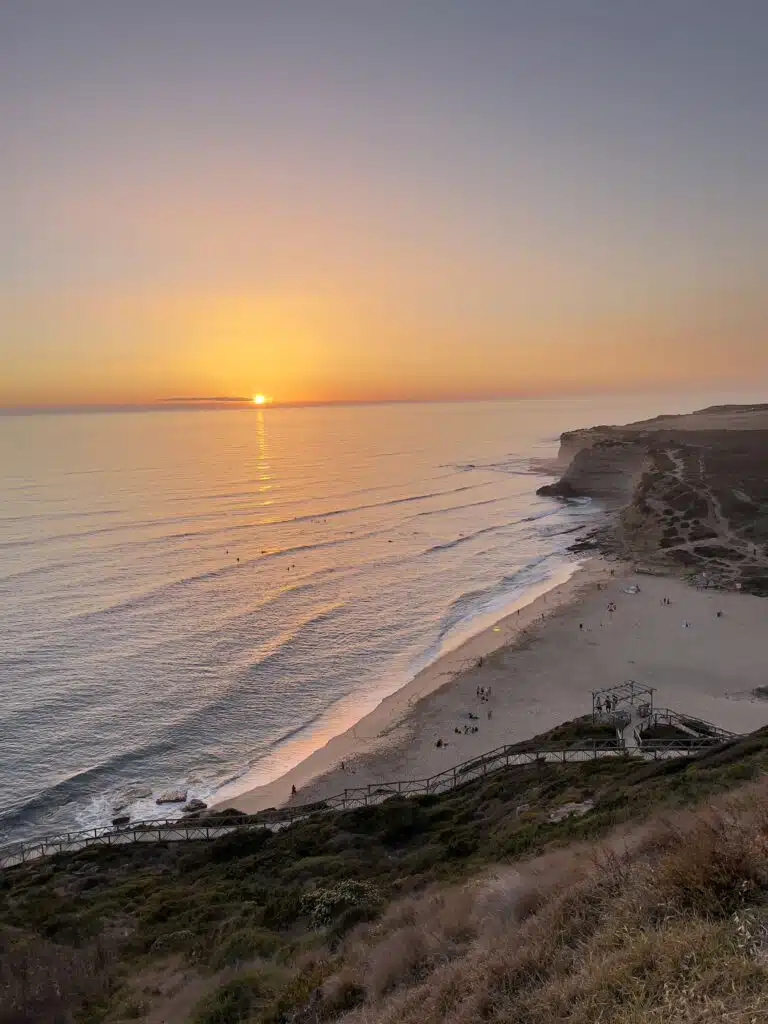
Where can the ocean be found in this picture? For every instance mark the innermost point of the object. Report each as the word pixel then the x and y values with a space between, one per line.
pixel 190 598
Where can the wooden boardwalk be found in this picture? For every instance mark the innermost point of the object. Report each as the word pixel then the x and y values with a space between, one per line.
pixel 211 827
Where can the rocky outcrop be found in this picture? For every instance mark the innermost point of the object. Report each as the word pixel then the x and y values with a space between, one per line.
pixel 603 467
pixel 194 805
pixel 172 796
pixel 689 492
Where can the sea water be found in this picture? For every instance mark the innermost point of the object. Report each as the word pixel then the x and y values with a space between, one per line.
pixel 188 598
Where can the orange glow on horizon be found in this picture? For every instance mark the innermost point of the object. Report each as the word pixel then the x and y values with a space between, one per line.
pixel 323 346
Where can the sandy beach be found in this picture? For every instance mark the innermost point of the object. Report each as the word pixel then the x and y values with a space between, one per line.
pixel 540 664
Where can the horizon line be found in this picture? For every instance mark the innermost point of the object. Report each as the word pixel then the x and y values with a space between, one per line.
pixel 243 404
pixel 236 403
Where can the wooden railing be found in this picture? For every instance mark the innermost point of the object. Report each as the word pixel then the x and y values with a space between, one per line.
pixel 212 827
pixel 704 730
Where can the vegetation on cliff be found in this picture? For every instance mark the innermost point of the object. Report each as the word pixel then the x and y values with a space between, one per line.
pixel 513 898
pixel 693 491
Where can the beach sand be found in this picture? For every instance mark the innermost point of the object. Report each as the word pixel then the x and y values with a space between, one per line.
pixel 541 664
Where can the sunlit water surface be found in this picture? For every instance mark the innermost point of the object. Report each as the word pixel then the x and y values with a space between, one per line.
pixel 190 597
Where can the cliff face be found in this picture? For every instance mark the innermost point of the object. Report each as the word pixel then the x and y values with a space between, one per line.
pixel 600 467
pixel 689 492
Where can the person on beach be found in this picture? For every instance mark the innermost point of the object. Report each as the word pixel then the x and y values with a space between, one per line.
pixel 293 791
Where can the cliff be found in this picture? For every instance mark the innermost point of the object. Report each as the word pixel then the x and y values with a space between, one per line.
pixel 598 466
pixel 688 492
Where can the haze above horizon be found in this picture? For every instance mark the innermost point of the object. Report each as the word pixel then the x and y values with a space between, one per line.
pixel 338 201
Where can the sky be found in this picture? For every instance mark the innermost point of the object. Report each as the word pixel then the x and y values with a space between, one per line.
pixel 381 199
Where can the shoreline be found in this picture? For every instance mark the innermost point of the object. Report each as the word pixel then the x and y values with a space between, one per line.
pixel 702 651
pixel 388 722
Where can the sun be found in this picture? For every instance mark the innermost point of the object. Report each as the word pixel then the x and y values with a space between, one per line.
pixel 259 399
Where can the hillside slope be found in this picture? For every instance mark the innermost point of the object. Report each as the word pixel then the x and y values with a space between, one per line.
pixel 427 909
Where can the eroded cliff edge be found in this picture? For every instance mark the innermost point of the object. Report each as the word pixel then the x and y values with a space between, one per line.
pixel 688 493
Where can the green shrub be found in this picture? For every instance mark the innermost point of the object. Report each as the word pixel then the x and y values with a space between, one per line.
pixel 240 844
pixel 402 820
pixel 172 941
pixel 357 900
pixel 282 908
pixel 233 1002
pixel 243 945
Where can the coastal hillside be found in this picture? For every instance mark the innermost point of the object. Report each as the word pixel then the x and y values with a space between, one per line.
pixel 691 491
pixel 613 889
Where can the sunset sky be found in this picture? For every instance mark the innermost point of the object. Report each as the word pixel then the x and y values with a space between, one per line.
pixel 366 199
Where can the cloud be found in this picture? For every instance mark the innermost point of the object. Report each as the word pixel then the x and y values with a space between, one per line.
pixel 207 398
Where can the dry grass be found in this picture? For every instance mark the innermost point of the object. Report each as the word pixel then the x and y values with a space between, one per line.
pixel 665 925
pixel 661 921
pixel 40 980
